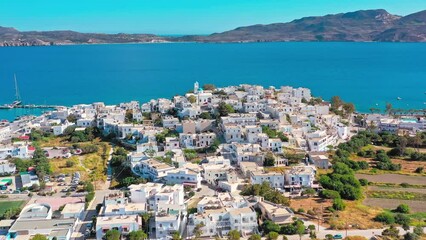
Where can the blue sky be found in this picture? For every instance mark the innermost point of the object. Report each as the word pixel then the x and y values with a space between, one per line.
pixel 176 16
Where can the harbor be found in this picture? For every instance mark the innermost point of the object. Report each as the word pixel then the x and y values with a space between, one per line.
pixel 27 106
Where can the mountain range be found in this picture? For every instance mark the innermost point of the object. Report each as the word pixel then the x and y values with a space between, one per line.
pixel 359 26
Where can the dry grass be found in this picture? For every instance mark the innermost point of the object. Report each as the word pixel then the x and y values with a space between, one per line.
pixel 58 165
pixel 313 203
pixel 91 166
pixel 357 215
pixel 55 142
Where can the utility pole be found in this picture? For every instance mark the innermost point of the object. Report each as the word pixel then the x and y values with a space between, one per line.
pixel 319 218
pixel 346 226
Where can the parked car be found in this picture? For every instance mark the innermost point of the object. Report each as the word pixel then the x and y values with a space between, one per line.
pixel 338 236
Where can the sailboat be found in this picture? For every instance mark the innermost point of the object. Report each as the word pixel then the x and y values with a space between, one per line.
pixel 18 101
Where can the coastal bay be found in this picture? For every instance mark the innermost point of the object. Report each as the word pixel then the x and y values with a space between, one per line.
pixel 367 74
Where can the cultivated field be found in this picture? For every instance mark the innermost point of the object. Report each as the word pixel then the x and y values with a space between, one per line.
pixel 416 206
pixel 393 178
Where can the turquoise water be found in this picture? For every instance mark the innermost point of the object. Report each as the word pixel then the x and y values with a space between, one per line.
pixel 363 73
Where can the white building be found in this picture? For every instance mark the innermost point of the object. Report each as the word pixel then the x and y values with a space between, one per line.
pixel 319 141
pixel 197 140
pixel 172 143
pixel 124 224
pixel 300 176
pixel 275 180
pixel 185 177
pixel 5 134
pixel 73 210
pixel 152 169
pixel 221 214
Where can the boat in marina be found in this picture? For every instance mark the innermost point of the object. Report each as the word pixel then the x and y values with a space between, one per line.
pixel 17 101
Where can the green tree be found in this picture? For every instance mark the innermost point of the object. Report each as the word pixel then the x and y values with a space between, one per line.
pixel 411 236
pixel 198 231
pixel 192 99
pixel 363 182
pixel 225 109
pixel 209 87
pixel 138 235
pixel 269 160
pixel 145 220
pixel 329 237
pixel 88 187
pixel 205 115
pixel 234 235
pixel 269 226
pixel 112 234
pixel 388 109
pixel 39 237
pixel 402 145
pixel 338 204
pixel 418 230
pixel 309 192
pixel 402 219
pixel 385 217
pixel 336 102
pixel 255 237
pixel 22 165
pixel 72 118
pixel 391 232
pixel 403 208
pixel 300 230
pixel 349 108
pixel 272 236
pixel 69 163
pixel 176 236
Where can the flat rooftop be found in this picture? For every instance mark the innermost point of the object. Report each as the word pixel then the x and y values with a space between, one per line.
pixel 73 208
pixel 37 224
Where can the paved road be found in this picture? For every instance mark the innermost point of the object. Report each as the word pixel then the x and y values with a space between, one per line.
pixel 355 232
pixel 91 209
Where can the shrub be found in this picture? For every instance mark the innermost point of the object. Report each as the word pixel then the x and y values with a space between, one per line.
pixel 69 163
pixel 402 208
pixel 269 226
pixel 338 204
pixel 255 237
pixel 330 194
pixel 418 230
pixel 363 181
pixel 385 217
pixel 402 219
pixel 272 236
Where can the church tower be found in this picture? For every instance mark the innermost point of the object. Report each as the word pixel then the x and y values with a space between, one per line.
pixel 196 87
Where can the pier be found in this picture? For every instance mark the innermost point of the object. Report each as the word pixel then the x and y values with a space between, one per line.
pixel 27 106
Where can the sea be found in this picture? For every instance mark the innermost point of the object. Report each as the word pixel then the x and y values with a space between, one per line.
pixel 366 74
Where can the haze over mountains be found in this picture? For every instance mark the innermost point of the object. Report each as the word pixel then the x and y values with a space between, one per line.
pixel 364 25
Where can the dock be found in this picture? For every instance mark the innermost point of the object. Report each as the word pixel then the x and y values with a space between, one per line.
pixel 28 106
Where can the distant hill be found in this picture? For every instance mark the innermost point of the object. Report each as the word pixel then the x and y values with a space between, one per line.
pixel 363 25
pixel 13 37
